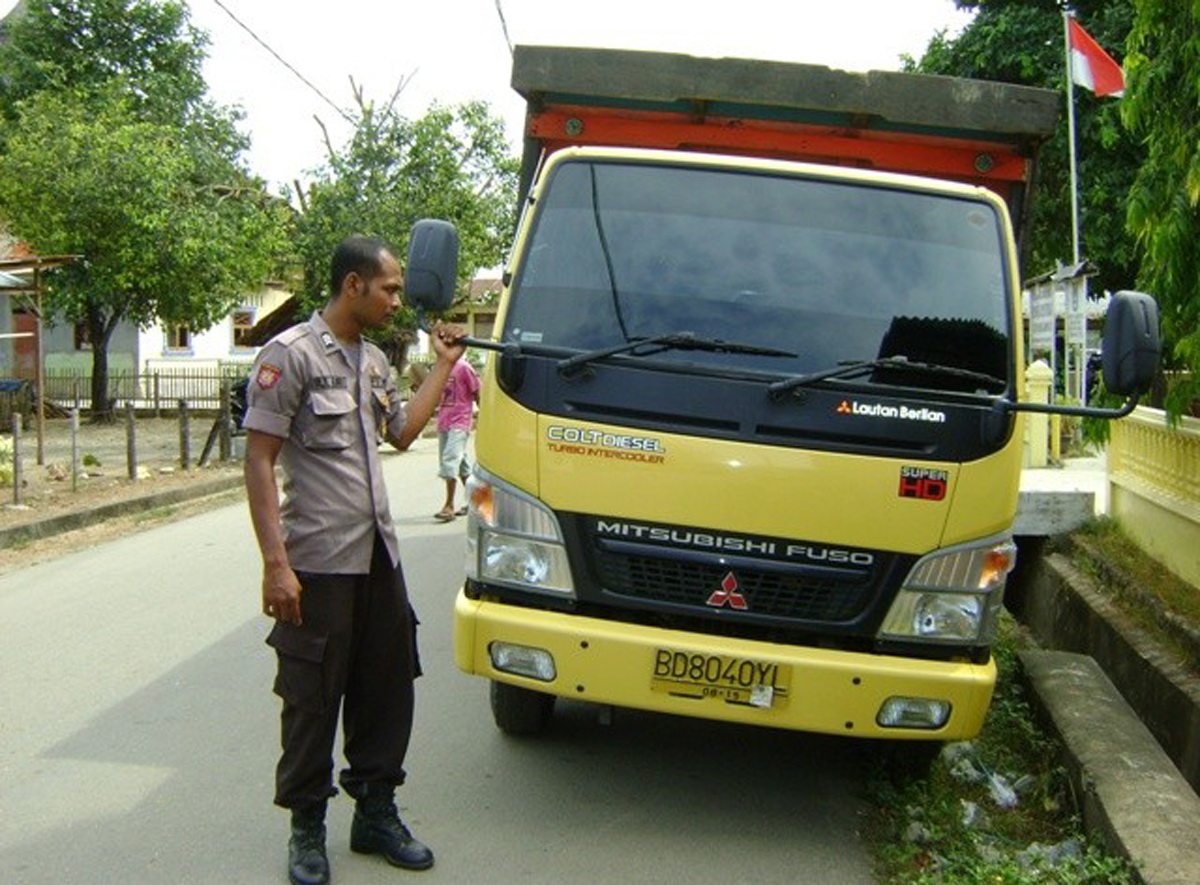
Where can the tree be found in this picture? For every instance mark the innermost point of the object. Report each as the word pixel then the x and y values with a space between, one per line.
pixel 159 239
pixel 1021 41
pixel 452 163
pixel 109 149
pixel 1162 106
pixel 85 44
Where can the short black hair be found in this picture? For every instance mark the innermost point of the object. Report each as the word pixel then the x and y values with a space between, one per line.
pixel 356 254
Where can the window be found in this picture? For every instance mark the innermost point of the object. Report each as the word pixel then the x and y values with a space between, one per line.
pixel 826 270
pixel 243 322
pixel 179 338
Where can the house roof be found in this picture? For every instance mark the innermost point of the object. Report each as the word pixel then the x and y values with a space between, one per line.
pixel 484 289
pixel 283 317
pixel 20 263
pixel 8 281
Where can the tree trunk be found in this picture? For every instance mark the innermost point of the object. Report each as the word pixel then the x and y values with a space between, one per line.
pixel 99 332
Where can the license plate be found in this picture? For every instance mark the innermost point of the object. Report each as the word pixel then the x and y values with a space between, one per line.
pixel 736 680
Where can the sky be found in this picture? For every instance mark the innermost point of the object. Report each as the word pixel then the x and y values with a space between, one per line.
pixel 456 50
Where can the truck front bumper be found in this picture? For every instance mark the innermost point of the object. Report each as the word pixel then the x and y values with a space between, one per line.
pixel 832 692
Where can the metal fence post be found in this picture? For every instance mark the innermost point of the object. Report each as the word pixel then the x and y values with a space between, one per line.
pixel 185 436
pixel 130 440
pixel 157 401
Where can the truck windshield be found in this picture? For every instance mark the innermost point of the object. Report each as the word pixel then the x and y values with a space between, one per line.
pixel 827 271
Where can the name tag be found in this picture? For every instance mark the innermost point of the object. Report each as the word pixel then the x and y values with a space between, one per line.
pixel 378 382
pixel 329 382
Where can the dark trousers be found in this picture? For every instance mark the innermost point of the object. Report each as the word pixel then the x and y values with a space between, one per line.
pixel 355 653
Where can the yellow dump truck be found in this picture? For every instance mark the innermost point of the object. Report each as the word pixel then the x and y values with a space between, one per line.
pixel 750 437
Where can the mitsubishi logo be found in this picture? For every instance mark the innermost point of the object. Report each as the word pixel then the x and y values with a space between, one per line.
pixel 729 594
pixel 844 408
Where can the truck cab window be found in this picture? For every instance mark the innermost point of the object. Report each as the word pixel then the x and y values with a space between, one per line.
pixel 828 270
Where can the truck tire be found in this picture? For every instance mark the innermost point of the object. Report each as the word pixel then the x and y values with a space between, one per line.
pixel 520 711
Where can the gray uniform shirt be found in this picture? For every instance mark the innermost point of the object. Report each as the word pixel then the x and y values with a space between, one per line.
pixel 331 410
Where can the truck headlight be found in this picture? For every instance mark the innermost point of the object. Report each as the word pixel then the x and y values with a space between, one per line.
pixel 514 539
pixel 953 595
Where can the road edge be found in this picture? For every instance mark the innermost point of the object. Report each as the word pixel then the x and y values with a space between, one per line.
pixel 17 535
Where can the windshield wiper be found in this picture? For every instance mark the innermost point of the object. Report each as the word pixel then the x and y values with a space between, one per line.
pixel 862 367
pixel 660 343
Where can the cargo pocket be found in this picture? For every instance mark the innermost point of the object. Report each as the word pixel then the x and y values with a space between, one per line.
pixel 300 678
pixel 328 422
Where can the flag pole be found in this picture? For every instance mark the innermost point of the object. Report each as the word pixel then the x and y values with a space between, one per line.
pixel 1071 141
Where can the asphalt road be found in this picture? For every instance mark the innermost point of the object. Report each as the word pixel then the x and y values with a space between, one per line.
pixel 138 738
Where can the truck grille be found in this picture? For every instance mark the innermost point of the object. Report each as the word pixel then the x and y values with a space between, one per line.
pixel 669 568
pixel 770 594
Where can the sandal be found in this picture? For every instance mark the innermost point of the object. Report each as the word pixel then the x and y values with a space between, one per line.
pixel 461 511
pixel 444 515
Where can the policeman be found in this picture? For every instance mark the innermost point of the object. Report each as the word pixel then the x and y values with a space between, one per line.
pixel 319 401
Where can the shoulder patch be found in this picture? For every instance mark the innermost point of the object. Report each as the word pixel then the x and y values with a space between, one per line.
pixel 268 376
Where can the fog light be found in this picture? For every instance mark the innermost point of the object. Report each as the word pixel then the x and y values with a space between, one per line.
pixel 913 713
pixel 536 663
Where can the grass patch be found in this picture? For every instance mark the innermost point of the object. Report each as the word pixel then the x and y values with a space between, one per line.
pixel 156 514
pixel 947 826
pixel 1160 602
pixel 1176 594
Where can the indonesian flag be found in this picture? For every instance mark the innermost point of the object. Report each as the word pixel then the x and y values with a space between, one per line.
pixel 1091 66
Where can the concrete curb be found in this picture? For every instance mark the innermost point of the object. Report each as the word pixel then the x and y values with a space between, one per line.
pixel 1127 788
pixel 1066 611
pixel 56 525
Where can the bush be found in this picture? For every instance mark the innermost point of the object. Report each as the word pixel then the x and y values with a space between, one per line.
pixel 6 460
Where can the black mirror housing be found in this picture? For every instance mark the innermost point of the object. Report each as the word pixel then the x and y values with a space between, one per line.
pixel 1131 347
pixel 431 275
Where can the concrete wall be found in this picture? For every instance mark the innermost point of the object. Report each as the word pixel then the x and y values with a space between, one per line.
pixel 1154 476
pixel 1065 611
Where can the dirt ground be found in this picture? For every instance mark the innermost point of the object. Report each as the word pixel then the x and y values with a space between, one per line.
pixel 47 489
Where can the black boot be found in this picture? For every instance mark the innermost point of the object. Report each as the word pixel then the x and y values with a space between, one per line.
pixel 377 829
pixel 307 863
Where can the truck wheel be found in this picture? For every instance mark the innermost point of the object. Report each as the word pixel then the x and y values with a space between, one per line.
pixel 520 711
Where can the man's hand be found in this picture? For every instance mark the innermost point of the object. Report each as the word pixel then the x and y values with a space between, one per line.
pixel 446 338
pixel 281 594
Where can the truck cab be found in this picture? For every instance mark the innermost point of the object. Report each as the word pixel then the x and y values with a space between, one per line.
pixel 750 439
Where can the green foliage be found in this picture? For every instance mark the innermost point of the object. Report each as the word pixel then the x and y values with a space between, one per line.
pixel 452 163
pixel 1162 107
pixel 1021 41
pixel 85 44
pixel 111 152
pixel 6 461
pixel 922 830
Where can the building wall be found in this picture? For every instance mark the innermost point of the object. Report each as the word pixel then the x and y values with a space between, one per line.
pixel 61 353
pixel 211 347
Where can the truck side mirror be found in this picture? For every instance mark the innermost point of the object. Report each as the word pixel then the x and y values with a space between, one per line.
pixel 432 271
pixel 1131 348
pixel 1129 354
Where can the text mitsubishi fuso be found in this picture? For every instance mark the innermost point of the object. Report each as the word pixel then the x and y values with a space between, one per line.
pixel 750 437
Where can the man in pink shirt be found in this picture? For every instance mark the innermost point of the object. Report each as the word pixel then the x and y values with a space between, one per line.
pixel 455 416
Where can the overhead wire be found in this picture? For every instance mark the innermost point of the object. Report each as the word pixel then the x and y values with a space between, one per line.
pixel 285 63
pixel 504 25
